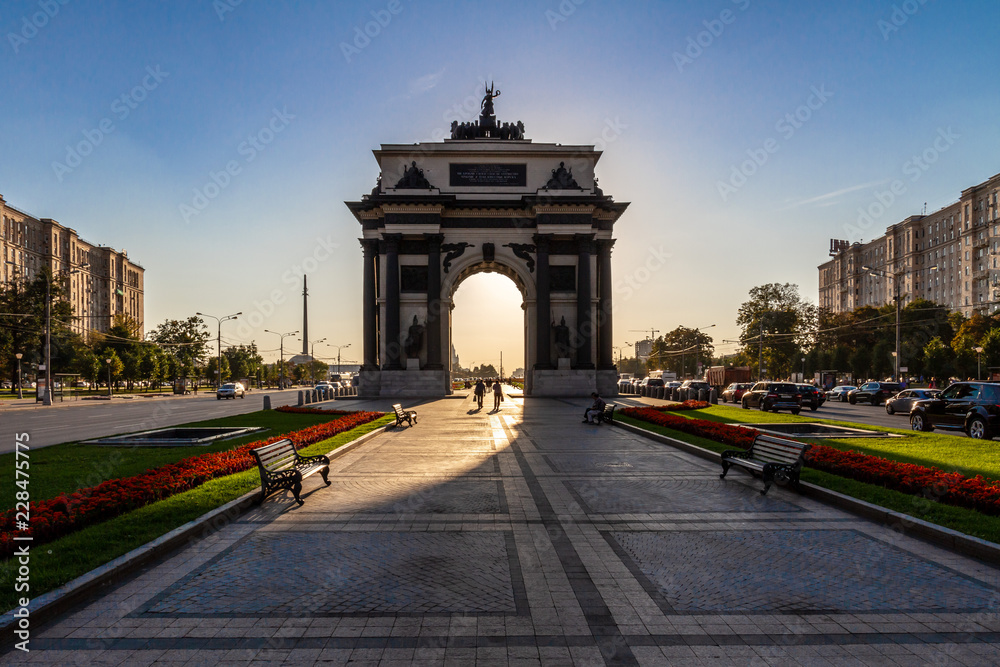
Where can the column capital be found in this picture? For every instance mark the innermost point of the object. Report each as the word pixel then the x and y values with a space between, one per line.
pixel 584 243
pixel 392 242
pixel 605 245
pixel 542 242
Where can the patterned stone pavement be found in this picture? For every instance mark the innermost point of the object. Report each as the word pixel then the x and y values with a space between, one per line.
pixel 527 538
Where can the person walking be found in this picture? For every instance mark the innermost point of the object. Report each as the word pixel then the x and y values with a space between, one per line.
pixel 497 396
pixel 480 392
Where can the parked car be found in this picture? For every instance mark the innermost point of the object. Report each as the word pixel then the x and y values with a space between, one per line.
pixel 812 397
pixel 840 392
pixel 651 382
pixel 734 392
pixel 230 390
pixel 904 400
pixel 973 407
pixel 875 393
pixel 696 386
pixel 773 396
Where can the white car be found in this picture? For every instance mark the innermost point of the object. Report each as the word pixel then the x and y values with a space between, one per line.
pixel 230 390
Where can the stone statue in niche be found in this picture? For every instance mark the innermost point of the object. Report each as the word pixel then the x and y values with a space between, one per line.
pixel 562 179
pixel 562 338
pixel 414 339
pixel 413 179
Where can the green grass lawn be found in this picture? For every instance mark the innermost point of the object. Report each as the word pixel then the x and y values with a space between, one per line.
pixel 948 452
pixel 68 467
pixel 964 520
pixel 58 562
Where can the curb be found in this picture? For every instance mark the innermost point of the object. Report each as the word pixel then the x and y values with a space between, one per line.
pixel 51 604
pixel 904 524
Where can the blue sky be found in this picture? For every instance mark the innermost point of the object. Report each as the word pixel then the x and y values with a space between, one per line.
pixel 684 93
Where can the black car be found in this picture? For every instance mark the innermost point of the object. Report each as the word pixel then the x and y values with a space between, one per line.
pixel 773 396
pixel 695 386
pixel 812 397
pixel 973 407
pixel 875 393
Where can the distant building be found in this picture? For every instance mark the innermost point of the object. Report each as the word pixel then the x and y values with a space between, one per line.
pixel 949 257
pixel 103 281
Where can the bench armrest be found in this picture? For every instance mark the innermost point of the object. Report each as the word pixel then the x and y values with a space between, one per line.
pixel 313 459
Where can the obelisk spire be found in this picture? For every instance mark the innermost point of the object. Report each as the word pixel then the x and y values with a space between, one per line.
pixel 305 317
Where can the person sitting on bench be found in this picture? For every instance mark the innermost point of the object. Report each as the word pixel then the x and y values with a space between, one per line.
pixel 595 409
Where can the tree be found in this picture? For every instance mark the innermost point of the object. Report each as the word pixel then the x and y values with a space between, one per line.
pixel 22 318
pixel 937 358
pixel 184 341
pixel 485 371
pixel 776 325
pixel 116 365
pixel 991 348
pixel 680 350
pixel 212 367
pixel 244 360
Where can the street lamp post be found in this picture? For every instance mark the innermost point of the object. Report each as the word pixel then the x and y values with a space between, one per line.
pixel 19 382
pixel 895 283
pixel 697 348
pixel 108 362
pixel 219 340
pixel 281 363
pixel 979 366
pixel 339 347
pixel 312 357
pixel 803 369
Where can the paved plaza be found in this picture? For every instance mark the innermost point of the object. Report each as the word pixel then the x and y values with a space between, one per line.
pixel 525 538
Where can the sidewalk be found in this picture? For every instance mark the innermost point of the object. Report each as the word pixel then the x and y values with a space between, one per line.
pixel 527 538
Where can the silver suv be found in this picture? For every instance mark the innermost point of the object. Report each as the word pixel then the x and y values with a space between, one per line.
pixel 230 390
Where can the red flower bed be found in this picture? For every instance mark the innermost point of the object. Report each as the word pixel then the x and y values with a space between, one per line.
pixel 680 407
pixel 294 409
pixel 730 435
pixel 51 519
pixel 953 488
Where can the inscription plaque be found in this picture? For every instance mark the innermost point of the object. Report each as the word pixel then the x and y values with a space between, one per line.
pixel 489 174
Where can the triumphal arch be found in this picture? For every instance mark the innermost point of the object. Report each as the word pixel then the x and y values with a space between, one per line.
pixel 487 199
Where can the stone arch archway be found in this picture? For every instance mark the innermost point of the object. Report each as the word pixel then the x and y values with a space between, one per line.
pixel 521 281
pixel 532 212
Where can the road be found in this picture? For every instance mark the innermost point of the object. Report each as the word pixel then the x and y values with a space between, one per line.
pixel 862 413
pixel 83 420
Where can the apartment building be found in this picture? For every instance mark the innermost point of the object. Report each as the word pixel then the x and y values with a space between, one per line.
pixel 949 257
pixel 103 281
